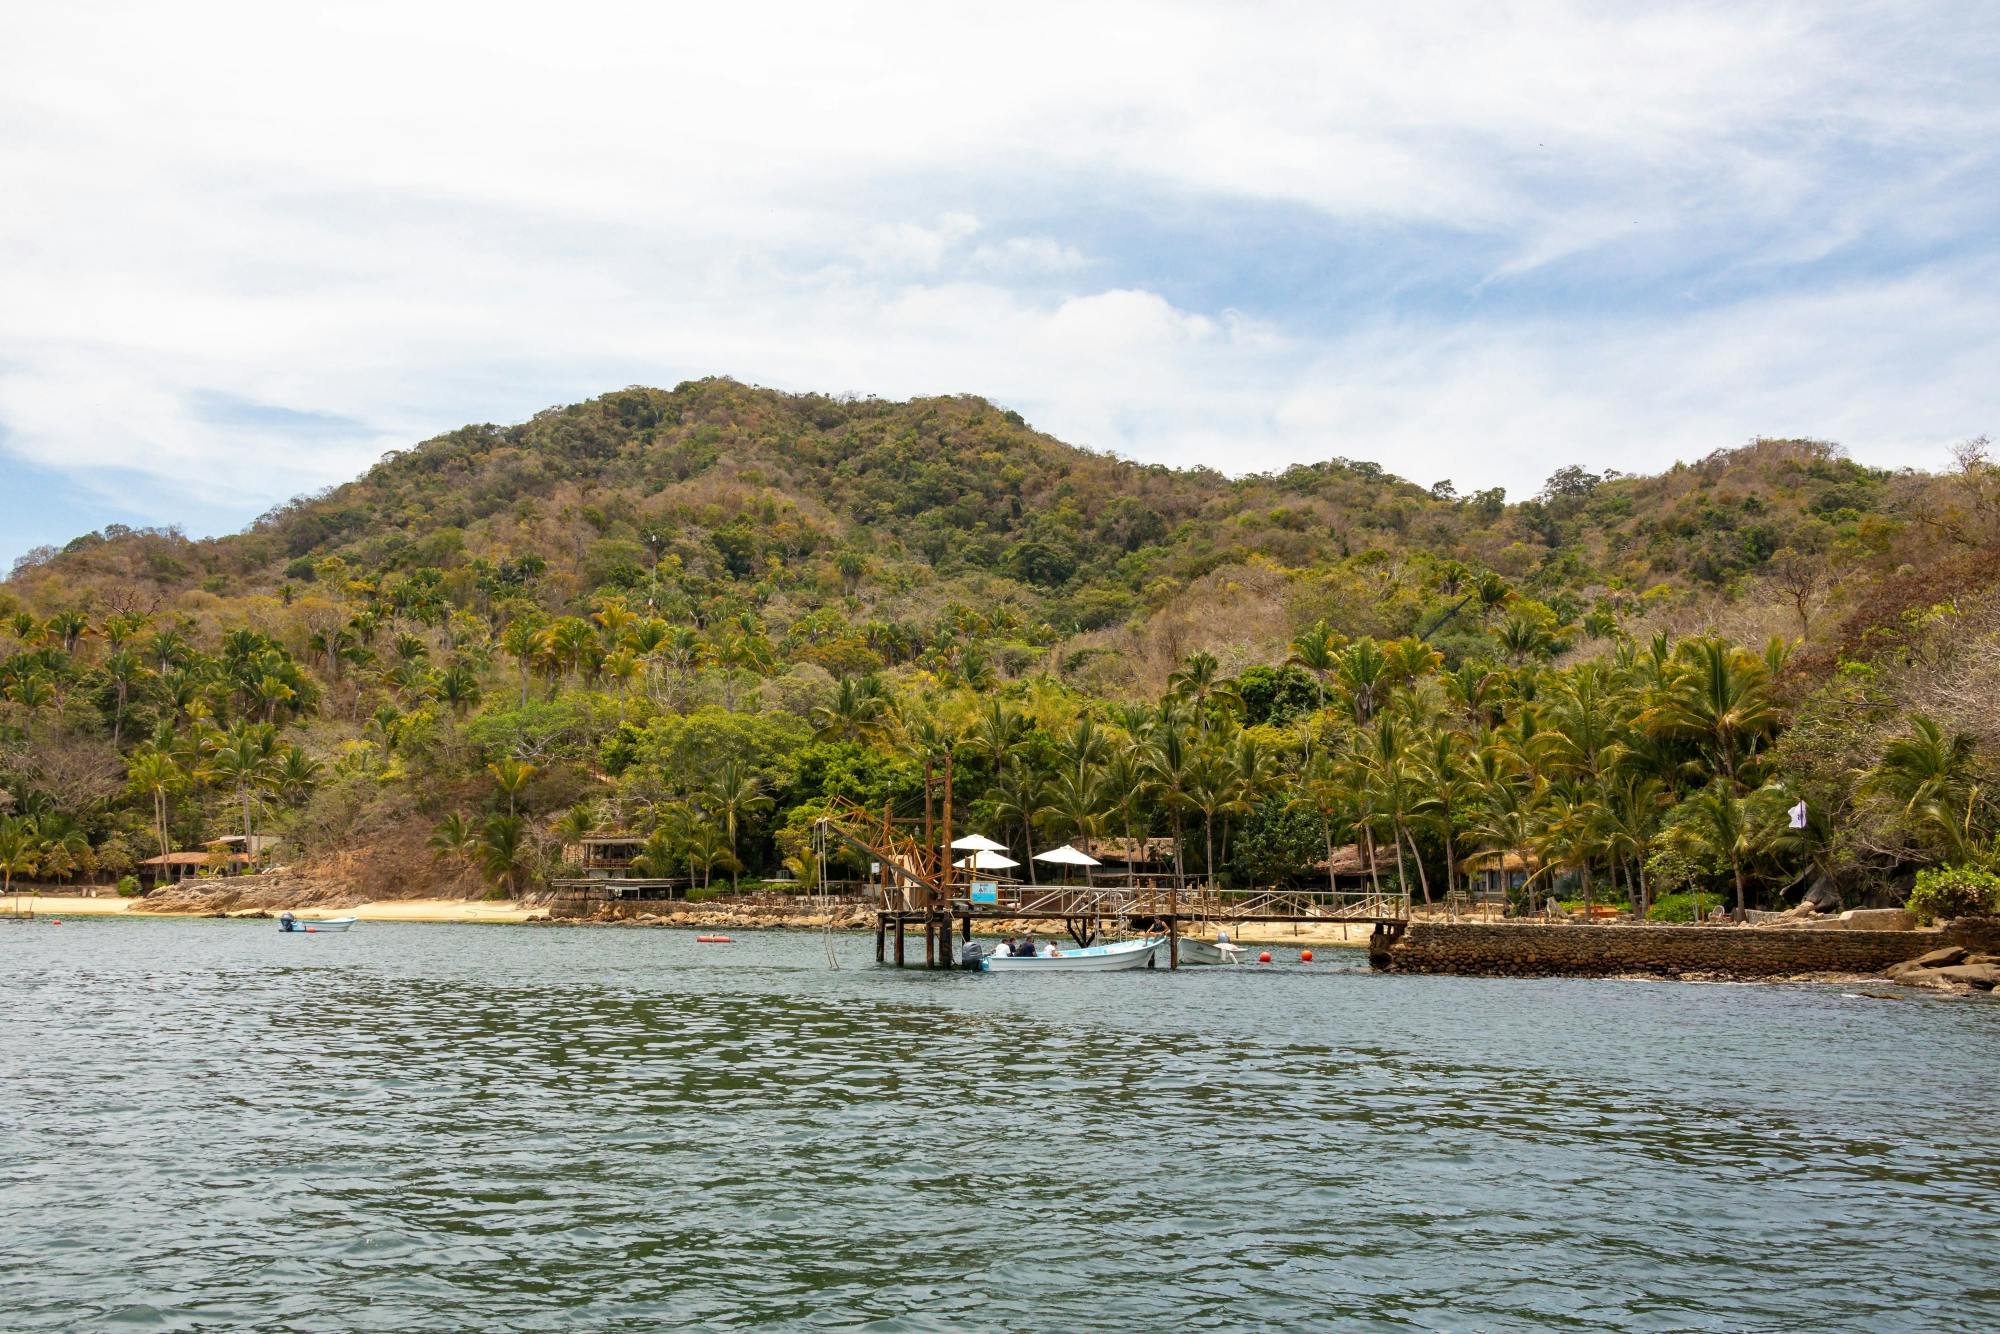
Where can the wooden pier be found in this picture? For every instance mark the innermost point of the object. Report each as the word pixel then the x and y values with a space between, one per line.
pixel 1089 914
pixel 918 884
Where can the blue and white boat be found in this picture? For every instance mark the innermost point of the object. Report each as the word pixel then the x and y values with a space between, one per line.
pixel 1084 959
pixel 315 925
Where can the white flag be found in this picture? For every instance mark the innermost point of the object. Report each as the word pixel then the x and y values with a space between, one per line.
pixel 1799 815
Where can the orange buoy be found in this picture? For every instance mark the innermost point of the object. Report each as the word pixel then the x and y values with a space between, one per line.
pixel 1305 956
pixel 1265 957
pixel 713 940
pixel 311 929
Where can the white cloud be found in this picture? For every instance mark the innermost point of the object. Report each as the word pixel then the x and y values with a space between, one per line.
pixel 407 217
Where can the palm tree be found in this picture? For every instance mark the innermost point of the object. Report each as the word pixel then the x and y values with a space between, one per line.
pixel 1214 788
pixel 154 773
pixel 1444 786
pixel 1317 649
pixel 1019 800
pixel 1631 817
pixel 1169 760
pixel 994 733
pixel 455 839
pixel 1363 673
pixel 1323 791
pixel 457 688
pixel 735 794
pixel 67 627
pixel 522 640
pixel 20 852
pixel 1570 835
pixel 502 851
pixel 1077 800
pixel 684 653
pixel 512 775
pixel 245 760
pixel 1721 826
pixel 1931 778
pixel 295 774
pixel 855 713
pixel 122 670
pixel 1719 700
pixel 1394 789
pixel 1201 683
pixel 1506 823
pixel 1127 786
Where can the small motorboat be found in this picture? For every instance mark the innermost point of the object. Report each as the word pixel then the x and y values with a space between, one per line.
pixel 1193 949
pixel 1086 959
pixel 315 925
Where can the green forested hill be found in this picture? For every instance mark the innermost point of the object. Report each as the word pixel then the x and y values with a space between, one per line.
pixel 533 629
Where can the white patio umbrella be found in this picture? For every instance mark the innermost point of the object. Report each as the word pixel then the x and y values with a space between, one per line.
pixel 979 843
pixel 986 861
pixel 1069 856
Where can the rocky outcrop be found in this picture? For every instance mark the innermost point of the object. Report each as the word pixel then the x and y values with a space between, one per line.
pixel 1953 968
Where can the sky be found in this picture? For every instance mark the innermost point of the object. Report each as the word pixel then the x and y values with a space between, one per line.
pixel 247 249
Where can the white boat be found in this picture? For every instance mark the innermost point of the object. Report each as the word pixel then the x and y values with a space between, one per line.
pixel 1086 959
pixel 1194 950
pixel 316 925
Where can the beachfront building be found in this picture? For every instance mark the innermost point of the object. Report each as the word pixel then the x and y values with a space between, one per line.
pixel 610 871
pixel 173 867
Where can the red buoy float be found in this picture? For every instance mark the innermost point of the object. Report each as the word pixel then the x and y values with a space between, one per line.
pixel 1305 956
pixel 713 940
pixel 1265 957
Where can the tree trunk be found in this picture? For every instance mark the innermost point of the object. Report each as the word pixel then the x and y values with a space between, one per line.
pixel 1208 824
pixel 1368 851
pixel 1423 877
pixel 1402 876
pixel 1326 829
pixel 247 854
pixel 1736 868
pixel 160 819
pixel 1588 916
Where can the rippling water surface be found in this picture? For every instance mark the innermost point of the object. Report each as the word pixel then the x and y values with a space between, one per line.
pixel 210 1126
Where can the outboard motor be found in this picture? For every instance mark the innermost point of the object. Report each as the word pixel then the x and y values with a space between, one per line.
pixel 972 955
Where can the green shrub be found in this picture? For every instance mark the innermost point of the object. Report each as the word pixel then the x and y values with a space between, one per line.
pixel 1680 907
pixel 1954 891
pixel 696 894
pixel 128 886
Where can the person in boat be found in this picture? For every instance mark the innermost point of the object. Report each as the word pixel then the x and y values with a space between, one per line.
pixel 287 922
pixel 1050 951
pixel 1023 947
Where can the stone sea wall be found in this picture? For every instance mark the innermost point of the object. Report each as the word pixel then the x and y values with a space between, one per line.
pixel 1509 949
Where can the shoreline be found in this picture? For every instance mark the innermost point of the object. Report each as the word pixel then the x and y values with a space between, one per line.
pixel 459 911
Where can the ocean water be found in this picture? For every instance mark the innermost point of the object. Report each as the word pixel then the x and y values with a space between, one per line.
pixel 210 1126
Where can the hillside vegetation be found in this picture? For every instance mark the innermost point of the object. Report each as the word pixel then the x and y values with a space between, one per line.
pixel 706 614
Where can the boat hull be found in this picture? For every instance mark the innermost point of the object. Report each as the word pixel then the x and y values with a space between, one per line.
pixel 1209 952
pixel 301 926
pixel 1095 959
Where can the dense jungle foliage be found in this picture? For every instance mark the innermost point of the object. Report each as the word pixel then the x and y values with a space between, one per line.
pixel 706 615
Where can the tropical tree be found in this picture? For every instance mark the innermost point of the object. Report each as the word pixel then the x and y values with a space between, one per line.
pixel 154 774
pixel 1718 826
pixel 1930 778
pixel 735 794
pixel 1317 650
pixel 20 852
pixel 511 774
pixel 502 851
pixel 244 761
pixel 1720 700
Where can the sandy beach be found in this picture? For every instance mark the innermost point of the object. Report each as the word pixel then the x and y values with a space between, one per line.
pixel 394 910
